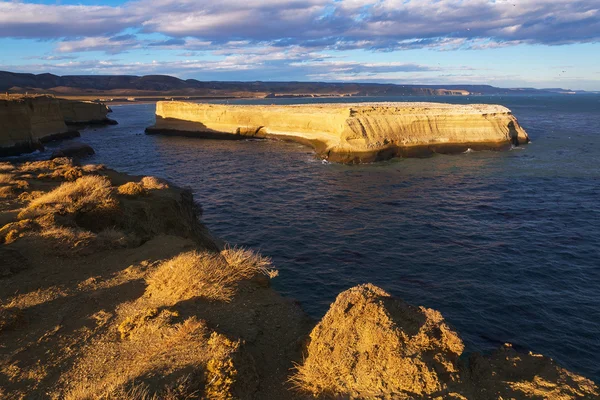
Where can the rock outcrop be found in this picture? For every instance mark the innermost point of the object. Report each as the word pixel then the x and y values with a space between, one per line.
pixel 351 133
pixel 26 123
pixel 372 345
pixel 85 113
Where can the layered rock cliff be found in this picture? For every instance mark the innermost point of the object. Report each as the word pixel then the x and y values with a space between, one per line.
pixel 26 123
pixel 351 133
pixel 85 113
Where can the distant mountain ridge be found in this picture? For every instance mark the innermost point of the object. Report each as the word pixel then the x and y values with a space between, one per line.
pixel 160 85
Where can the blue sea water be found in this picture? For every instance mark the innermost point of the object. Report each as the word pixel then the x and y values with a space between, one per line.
pixel 505 244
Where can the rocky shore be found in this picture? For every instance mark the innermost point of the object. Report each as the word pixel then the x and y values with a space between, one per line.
pixel 112 288
pixel 350 133
pixel 27 123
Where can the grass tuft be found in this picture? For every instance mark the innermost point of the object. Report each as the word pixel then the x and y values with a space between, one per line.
pixel 150 183
pixel 88 192
pixel 207 275
pixel 132 189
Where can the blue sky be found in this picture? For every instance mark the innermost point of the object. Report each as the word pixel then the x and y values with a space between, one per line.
pixel 508 43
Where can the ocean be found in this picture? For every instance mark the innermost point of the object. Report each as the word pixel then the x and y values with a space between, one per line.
pixel 505 244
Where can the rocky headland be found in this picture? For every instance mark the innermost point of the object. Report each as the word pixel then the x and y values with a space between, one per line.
pixel 350 133
pixel 112 288
pixel 26 123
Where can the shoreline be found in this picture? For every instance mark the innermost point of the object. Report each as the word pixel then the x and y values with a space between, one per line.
pixel 251 338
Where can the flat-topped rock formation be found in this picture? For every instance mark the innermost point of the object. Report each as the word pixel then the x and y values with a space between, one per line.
pixel 351 133
pixel 26 123
pixel 85 113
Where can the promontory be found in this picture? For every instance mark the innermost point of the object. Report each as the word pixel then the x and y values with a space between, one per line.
pixel 28 122
pixel 351 133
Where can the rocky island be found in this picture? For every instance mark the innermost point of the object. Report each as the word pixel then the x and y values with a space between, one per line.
pixel 112 288
pixel 350 133
pixel 28 122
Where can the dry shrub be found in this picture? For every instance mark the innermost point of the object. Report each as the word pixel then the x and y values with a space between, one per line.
pixel 93 168
pixel 86 193
pixel 240 259
pixel 10 186
pixel 132 189
pixel 12 231
pixel 370 345
pixel 6 167
pixel 57 169
pixel 150 183
pixel 29 196
pixel 207 275
pixel 66 239
pixel 38 166
pixel 6 179
pixel 6 192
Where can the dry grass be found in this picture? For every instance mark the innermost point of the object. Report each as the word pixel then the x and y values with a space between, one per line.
pixel 6 179
pixel 90 168
pixel 6 167
pixel 89 192
pixel 370 345
pixel 10 185
pixel 132 189
pixel 138 367
pixel 6 192
pixel 151 183
pixel 207 275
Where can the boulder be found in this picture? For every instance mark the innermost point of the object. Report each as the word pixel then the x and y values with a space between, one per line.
pixel 371 345
pixel 75 150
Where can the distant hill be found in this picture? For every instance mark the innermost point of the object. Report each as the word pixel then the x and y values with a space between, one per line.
pixel 163 85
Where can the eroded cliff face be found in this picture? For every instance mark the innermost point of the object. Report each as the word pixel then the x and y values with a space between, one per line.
pixel 26 123
pixel 84 112
pixel 351 133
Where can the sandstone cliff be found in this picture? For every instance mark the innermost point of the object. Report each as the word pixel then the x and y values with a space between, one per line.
pixel 351 133
pixel 84 113
pixel 26 123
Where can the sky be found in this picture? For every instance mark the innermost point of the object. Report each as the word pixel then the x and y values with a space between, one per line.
pixel 506 43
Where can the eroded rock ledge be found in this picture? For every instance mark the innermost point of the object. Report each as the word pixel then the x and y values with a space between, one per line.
pixel 350 133
pixel 111 288
pixel 27 123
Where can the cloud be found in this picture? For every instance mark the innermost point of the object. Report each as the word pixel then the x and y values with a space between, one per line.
pixel 41 21
pixel 383 25
pixel 109 45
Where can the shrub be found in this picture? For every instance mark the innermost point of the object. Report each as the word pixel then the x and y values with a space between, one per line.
pixel 131 189
pixel 150 182
pixel 89 192
pixel 208 275
pixel 6 179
